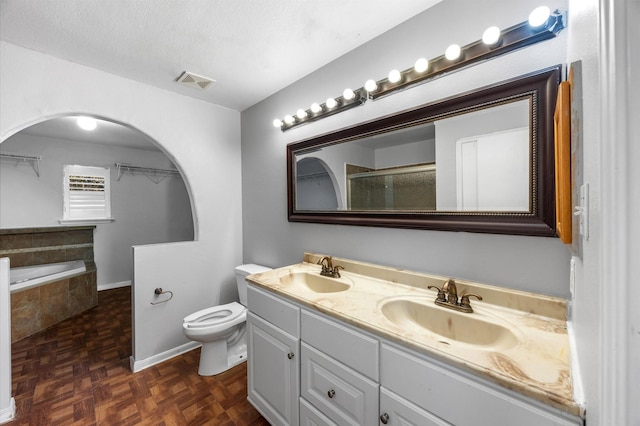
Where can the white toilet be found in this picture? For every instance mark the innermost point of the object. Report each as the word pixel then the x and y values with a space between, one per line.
pixel 222 329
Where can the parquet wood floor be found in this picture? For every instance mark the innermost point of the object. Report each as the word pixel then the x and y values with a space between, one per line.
pixel 77 373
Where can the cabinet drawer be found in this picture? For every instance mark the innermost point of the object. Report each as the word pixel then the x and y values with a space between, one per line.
pixel 458 398
pixel 343 395
pixel 349 346
pixel 400 412
pixel 278 312
pixel 311 416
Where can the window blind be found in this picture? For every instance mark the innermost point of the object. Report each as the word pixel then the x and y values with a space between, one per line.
pixel 87 193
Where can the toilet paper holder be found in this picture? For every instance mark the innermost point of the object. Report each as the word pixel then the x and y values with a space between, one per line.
pixel 159 291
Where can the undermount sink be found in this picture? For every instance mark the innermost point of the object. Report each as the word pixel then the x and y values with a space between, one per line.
pixel 316 282
pixel 454 327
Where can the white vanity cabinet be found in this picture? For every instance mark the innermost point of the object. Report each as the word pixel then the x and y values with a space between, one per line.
pixel 273 367
pixel 456 397
pixel 341 375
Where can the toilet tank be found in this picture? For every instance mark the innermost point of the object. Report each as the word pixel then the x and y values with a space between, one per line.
pixel 241 272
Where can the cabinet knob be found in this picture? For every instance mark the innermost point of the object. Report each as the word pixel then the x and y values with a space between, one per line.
pixel 384 418
pixel 290 355
pixel 331 393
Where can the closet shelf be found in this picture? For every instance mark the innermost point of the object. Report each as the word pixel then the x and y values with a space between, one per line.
pixel 22 158
pixel 155 175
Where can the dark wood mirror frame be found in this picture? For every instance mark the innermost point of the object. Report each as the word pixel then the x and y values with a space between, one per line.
pixel 541 85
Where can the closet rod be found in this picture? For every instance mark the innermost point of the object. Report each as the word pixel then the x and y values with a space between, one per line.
pixel 33 159
pixel 156 175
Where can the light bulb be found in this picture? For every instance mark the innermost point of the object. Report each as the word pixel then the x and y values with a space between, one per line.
pixel 289 119
pixel 421 65
pixel 491 36
pixel 315 108
pixel 87 123
pixel 453 52
pixel 301 113
pixel 539 16
pixel 394 76
pixel 277 123
pixel 331 103
pixel 348 94
pixel 370 85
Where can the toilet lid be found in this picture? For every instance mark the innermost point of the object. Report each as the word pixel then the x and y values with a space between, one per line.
pixel 215 316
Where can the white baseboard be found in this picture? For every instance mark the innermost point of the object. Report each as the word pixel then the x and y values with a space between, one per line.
pixel 8 413
pixel 110 286
pixel 161 357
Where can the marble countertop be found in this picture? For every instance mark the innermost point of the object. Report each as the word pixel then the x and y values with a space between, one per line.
pixel 535 361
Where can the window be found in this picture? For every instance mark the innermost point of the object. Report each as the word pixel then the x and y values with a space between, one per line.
pixel 87 193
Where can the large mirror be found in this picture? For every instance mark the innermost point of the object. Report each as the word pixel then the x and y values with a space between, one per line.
pixel 479 162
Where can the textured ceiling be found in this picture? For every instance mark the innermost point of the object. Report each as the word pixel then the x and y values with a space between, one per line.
pixel 252 48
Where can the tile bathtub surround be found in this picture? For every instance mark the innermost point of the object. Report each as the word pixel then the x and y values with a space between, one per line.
pixel 37 308
pixel 35 246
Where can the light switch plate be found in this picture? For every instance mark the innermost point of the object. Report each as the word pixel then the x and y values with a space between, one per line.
pixel 582 211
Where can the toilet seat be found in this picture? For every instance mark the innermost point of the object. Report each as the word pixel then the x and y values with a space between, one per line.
pixel 216 316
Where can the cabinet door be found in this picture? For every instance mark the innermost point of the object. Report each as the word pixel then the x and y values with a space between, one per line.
pixel 273 372
pixel 397 411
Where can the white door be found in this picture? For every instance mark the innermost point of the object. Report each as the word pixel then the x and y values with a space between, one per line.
pixel 492 171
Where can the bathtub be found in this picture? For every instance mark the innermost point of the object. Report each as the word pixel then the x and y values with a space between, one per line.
pixel 33 276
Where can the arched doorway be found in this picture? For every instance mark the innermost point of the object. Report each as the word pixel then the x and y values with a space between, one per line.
pixel 315 188
pixel 150 203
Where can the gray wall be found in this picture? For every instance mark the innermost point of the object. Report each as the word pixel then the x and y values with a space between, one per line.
pixel 528 263
pixel 402 155
pixel 202 139
pixel 144 212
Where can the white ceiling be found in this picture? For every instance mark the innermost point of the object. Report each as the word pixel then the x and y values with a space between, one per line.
pixel 252 48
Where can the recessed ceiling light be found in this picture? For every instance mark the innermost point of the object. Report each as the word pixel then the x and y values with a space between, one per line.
pixel 87 123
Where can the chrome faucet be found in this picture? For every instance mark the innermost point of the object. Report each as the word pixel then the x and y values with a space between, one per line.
pixel 328 270
pixel 448 297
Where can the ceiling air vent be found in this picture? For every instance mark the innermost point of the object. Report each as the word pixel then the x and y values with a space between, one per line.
pixel 194 80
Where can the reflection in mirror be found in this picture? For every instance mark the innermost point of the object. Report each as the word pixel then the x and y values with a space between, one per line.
pixel 478 161
pixel 314 184
pixel 481 161
pixel 397 188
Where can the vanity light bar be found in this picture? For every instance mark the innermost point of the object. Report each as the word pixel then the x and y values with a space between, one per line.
pixel 317 111
pixel 515 37
pixel 542 25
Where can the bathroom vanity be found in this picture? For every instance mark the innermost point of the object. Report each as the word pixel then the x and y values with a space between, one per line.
pixel 371 347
